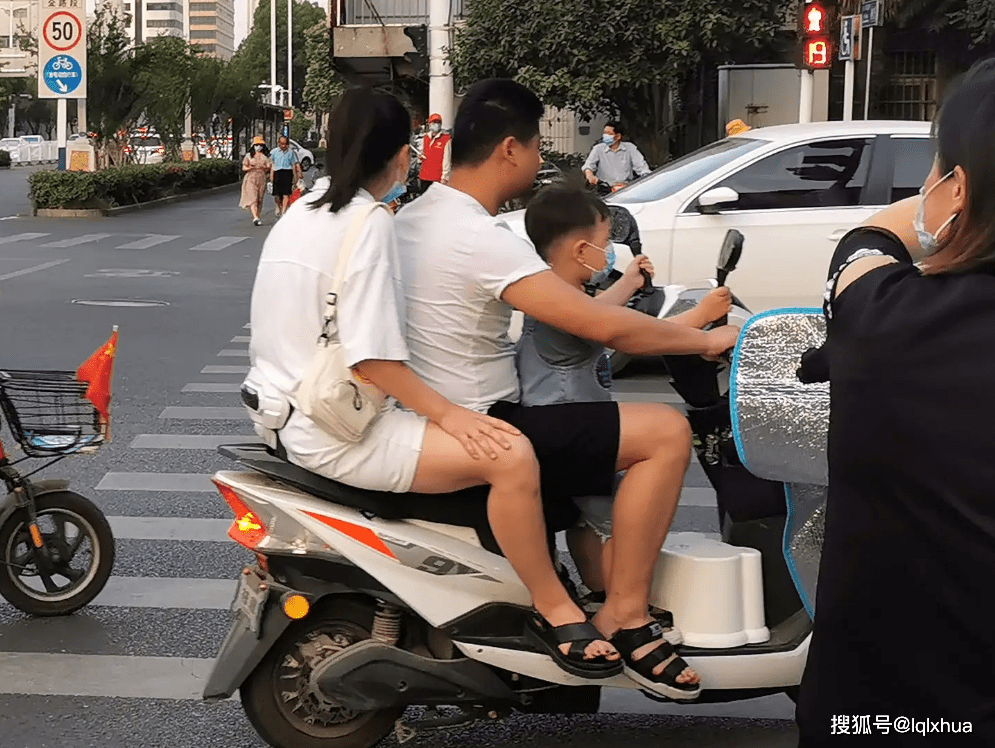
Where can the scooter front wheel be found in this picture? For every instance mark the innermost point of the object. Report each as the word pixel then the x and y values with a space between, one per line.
pixel 71 567
pixel 287 710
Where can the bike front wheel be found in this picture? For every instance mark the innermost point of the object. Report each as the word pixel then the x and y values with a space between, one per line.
pixel 71 567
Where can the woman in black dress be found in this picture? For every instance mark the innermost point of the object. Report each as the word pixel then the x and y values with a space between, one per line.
pixel 904 624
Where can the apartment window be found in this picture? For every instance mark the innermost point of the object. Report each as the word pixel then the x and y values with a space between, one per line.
pixel 208 49
pixel 202 33
pixel 203 7
pixel 170 24
pixel 21 13
pixel 910 92
pixel 175 7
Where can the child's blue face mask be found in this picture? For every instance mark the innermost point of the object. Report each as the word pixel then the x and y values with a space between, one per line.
pixel 599 276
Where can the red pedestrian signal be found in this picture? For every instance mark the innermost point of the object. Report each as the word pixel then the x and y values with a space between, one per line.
pixel 816 43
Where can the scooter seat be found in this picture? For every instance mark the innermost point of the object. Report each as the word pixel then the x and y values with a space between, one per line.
pixel 466 508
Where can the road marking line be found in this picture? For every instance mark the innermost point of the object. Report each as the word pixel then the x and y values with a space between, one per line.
pixel 170 528
pixel 45 674
pixel 212 387
pixel 224 369
pixel 218 244
pixel 186 441
pixel 167 592
pixel 205 413
pixel 170 482
pixel 19 238
pixel 77 240
pixel 150 241
pixel 241 339
pixel 34 269
pixel 234 353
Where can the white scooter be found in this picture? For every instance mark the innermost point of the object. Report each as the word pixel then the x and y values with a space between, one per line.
pixel 364 603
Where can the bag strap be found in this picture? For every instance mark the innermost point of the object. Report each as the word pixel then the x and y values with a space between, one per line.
pixel 345 254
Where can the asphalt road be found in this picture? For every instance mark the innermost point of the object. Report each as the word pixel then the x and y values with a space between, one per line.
pixel 129 669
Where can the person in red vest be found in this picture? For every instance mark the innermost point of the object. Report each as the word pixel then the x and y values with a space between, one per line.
pixel 435 154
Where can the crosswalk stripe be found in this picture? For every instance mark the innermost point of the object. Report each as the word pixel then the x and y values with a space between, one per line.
pixel 167 592
pixel 32 269
pixel 212 387
pixel 77 240
pixel 121 676
pixel 149 241
pixel 185 441
pixel 241 339
pixel 215 245
pixel 170 528
pixel 224 369
pixel 20 238
pixel 205 413
pixel 234 353
pixel 180 482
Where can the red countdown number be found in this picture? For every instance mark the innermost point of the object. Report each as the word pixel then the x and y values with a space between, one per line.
pixel 817 54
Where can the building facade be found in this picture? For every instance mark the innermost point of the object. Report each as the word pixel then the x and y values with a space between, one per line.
pixel 18 23
pixel 212 27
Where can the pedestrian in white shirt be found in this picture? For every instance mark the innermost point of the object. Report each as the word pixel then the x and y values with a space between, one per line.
pixel 464 272
pixel 430 445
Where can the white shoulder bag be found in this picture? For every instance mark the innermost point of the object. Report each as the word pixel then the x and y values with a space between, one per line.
pixel 331 394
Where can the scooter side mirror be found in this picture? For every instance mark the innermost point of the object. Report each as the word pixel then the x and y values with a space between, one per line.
pixel 713 199
pixel 732 250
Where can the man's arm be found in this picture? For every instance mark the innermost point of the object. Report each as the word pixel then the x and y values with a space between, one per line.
pixel 447 162
pixel 591 165
pixel 547 298
pixel 639 164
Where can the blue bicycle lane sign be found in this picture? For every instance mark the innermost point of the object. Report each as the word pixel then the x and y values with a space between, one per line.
pixel 62 74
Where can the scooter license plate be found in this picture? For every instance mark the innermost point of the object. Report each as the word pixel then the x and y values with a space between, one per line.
pixel 250 600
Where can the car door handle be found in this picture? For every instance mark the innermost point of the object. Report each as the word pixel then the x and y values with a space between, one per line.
pixel 838 234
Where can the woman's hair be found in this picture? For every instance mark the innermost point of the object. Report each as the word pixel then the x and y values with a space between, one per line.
pixel 366 131
pixel 962 134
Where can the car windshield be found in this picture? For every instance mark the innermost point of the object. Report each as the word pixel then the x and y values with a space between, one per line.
pixel 685 171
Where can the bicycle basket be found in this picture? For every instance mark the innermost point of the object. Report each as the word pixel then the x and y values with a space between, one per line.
pixel 48 413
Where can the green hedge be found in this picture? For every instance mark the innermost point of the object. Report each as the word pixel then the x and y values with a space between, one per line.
pixel 128 185
pixel 4 159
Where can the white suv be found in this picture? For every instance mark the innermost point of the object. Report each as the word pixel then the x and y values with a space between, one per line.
pixel 792 190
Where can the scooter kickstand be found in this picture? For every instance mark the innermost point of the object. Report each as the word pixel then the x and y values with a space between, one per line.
pixel 403 731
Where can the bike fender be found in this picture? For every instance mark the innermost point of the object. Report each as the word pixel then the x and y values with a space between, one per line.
pixel 242 651
pixel 8 504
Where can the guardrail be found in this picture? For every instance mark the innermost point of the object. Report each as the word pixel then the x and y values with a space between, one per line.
pixel 46 152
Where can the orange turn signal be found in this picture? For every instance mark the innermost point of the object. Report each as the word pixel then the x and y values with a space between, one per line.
pixel 295 606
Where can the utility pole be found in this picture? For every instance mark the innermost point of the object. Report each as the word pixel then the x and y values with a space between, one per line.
pixel 290 56
pixel 440 81
pixel 272 52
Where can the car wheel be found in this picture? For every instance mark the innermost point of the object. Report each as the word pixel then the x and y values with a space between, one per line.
pixel 306 164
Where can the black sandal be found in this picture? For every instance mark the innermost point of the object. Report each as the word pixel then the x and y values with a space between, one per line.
pixel 627 641
pixel 579 636
pixel 592 602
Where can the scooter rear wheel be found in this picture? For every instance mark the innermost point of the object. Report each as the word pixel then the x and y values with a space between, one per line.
pixel 286 712
pixel 78 540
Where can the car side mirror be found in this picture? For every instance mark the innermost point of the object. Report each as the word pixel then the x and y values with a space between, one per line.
pixel 711 201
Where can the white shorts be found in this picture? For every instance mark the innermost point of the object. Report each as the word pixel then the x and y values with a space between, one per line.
pixel 596 513
pixel 385 460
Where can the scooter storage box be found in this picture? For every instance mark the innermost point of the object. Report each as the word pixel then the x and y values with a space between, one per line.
pixel 714 590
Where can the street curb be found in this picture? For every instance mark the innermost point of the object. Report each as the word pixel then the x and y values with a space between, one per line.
pixel 110 212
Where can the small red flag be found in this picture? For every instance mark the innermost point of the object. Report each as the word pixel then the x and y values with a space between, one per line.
pixel 97 371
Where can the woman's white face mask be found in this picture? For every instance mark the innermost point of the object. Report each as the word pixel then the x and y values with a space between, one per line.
pixel 929 241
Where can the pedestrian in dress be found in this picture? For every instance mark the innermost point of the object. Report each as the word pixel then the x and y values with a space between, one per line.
pixel 257 167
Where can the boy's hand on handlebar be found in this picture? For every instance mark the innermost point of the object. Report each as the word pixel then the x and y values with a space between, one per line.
pixel 477 432
pixel 634 277
pixel 720 340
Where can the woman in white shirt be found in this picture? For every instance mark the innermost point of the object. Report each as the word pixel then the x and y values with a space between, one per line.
pixel 431 445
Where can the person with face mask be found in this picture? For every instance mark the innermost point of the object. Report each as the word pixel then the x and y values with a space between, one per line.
pixel 902 625
pixel 257 167
pixel 435 154
pixel 614 161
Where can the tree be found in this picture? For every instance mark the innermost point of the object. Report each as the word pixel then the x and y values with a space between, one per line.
pixel 113 101
pixel 164 70
pixel 625 58
pixel 253 54
pixel 323 85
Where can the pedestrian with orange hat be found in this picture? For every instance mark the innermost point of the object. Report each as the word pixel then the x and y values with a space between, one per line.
pixel 435 154
pixel 257 167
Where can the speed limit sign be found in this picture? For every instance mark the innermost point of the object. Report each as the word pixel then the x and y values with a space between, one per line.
pixel 62 50
pixel 63 31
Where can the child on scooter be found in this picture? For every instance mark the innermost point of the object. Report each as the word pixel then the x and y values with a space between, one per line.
pixel 569 228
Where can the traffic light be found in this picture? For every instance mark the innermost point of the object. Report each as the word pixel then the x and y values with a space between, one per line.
pixel 817 44
pixel 419 38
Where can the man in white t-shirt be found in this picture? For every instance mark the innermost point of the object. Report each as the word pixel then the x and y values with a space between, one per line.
pixel 464 271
